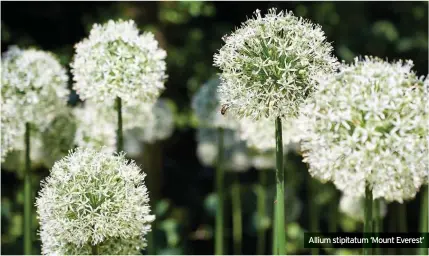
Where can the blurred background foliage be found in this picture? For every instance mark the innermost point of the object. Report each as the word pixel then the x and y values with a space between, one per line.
pixel 191 33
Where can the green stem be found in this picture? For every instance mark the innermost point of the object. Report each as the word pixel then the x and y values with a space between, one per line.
pixel 424 217
pixel 314 220
pixel 261 207
pixel 220 197
pixel 377 223
pixel 94 249
pixel 275 246
pixel 402 221
pixel 333 213
pixel 236 216
pixel 280 189
pixel 368 218
pixel 28 206
pixel 119 133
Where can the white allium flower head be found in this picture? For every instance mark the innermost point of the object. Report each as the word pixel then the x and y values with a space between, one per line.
pixel 116 61
pixel 11 127
pixel 207 107
pixel 367 125
pixel 236 154
pixel 35 84
pixel 264 161
pixel 260 134
pixel 269 65
pixel 95 127
pixel 354 207
pixel 161 123
pixel 93 198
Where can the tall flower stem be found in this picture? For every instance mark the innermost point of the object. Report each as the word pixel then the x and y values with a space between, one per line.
pixel 94 249
pixel 119 133
pixel 377 224
pixel 219 234
pixel 280 190
pixel 261 207
pixel 424 217
pixel 368 218
pixel 333 213
pixel 402 221
pixel 28 205
pixel 237 229
pixel 313 210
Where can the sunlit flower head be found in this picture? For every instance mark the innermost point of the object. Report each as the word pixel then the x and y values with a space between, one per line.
pixel 34 86
pixel 367 125
pixel 269 65
pixel 354 207
pixel 116 61
pixel 208 110
pixel 93 198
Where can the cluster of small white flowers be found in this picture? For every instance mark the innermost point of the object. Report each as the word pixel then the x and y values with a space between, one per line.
pixel 207 107
pixel 35 83
pixel 11 127
pixel 367 126
pixel 268 65
pixel 354 207
pixel 117 61
pixel 95 127
pixel 260 134
pixel 236 154
pixel 93 198
pixel 161 124
pixel 264 161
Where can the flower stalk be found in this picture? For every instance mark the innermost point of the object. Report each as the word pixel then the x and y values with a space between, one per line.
pixel 424 217
pixel 27 194
pixel 261 207
pixel 368 218
pixel 377 224
pixel 94 249
pixel 314 210
pixel 119 132
pixel 219 234
pixel 280 190
pixel 236 216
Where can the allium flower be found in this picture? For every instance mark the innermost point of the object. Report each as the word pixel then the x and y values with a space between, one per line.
pixel 95 127
pixel 207 107
pixel 161 123
pixel 35 84
pixel 269 64
pixel 11 127
pixel 260 134
pixel 93 198
pixel 236 155
pixel 117 61
pixel 264 161
pixel 354 207
pixel 367 125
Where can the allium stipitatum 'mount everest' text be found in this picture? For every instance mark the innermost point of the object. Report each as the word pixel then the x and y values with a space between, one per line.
pixel 117 61
pixel 367 125
pixel 268 65
pixel 94 198
pixel 34 87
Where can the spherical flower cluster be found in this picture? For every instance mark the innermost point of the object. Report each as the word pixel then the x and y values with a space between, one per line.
pixel 236 154
pixel 11 127
pixel 93 198
pixel 161 123
pixel 208 110
pixel 35 84
pixel 354 207
pixel 95 127
pixel 269 65
pixel 367 126
pixel 117 61
pixel 260 134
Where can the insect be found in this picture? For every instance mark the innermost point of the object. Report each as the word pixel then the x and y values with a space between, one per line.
pixel 224 109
